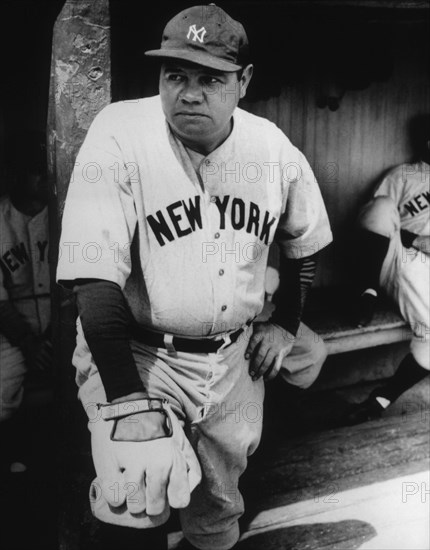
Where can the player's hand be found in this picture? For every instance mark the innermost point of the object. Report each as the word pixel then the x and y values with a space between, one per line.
pixel 146 475
pixel 422 243
pixel 268 347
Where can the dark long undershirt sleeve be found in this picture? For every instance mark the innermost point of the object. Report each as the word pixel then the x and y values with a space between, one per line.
pixel 296 278
pixel 12 324
pixel 407 238
pixel 106 322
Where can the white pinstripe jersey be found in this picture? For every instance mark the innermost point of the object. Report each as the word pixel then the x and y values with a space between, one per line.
pixel 24 263
pixel 190 253
pixel 409 186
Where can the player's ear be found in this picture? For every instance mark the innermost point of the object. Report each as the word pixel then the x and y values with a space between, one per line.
pixel 245 79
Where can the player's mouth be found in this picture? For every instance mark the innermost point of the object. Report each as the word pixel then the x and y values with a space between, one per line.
pixel 191 114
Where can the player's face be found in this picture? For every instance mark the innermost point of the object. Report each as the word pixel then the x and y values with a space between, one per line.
pixel 199 102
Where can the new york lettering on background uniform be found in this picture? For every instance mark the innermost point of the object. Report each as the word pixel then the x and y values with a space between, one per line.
pixel 25 283
pixel 408 185
pixel 24 262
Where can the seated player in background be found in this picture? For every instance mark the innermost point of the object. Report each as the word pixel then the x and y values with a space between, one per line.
pixel 24 296
pixel 393 258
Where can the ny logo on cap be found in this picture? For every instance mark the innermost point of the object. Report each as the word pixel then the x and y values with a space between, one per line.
pixel 196 34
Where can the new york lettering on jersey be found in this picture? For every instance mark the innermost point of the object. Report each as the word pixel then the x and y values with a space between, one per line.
pixel 180 219
pixel 158 219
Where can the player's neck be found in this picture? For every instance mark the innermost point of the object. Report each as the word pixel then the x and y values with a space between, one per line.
pixel 29 207
pixel 205 147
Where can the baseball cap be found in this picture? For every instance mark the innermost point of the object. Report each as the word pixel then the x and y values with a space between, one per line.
pixel 205 35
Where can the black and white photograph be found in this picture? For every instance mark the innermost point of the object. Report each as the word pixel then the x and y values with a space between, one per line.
pixel 215 275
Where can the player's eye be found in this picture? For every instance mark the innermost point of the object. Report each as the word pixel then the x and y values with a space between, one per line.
pixel 175 77
pixel 210 80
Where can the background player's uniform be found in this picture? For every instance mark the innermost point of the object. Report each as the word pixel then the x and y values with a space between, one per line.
pixel 25 282
pixel 405 274
pixel 187 240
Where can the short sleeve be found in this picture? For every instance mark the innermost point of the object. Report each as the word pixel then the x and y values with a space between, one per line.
pixel 392 185
pixel 99 216
pixel 304 227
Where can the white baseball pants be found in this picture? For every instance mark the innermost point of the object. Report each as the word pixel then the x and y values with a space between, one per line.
pixel 221 411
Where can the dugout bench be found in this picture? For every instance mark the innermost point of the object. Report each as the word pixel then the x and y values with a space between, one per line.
pixel 329 313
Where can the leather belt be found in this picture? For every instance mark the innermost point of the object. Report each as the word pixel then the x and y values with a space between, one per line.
pixel 178 343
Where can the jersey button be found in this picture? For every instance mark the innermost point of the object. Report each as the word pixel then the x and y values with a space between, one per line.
pixel 207 162
pixel 217 235
pixel 221 272
pixel 213 199
pixel 223 308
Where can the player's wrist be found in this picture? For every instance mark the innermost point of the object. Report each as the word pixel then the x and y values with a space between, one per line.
pixel 291 326
pixel 422 243
pixel 137 419
pixel 409 239
pixel 130 397
pixel 144 426
pixel 289 335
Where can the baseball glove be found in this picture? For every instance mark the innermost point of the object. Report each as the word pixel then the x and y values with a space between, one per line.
pixel 144 463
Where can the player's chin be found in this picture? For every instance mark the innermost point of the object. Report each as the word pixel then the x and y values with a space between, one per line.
pixel 194 125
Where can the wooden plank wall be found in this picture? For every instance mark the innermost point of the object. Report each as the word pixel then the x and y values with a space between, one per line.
pixel 350 148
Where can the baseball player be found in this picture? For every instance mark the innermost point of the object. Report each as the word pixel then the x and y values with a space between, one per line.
pixel 170 212
pixel 393 255
pixel 24 298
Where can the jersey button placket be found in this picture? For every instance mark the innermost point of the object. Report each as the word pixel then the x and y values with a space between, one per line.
pixel 212 184
pixel 205 174
pixel 215 259
pixel 223 287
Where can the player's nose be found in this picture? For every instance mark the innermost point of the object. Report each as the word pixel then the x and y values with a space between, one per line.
pixel 192 92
